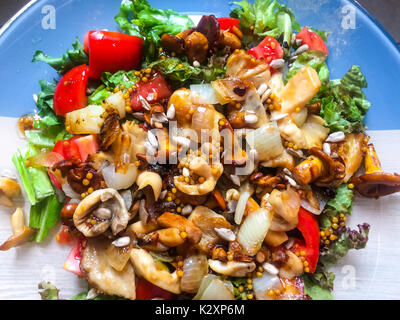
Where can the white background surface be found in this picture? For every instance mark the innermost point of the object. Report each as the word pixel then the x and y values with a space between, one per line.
pixel 371 273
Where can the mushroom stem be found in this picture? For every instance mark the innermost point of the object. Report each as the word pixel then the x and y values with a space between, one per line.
pixel 309 170
pixel 371 162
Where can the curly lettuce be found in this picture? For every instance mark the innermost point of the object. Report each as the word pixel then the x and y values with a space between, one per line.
pixel 72 58
pixel 343 103
pixel 265 18
pixel 138 18
pixel 313 58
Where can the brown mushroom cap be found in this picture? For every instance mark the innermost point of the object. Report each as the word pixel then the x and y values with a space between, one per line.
pixel 378 184
pixel 334 169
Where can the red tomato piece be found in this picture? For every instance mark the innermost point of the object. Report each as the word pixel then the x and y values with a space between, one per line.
pixel 269 49
pixel 147 291
pixel 227 23
pixel 54 180
pixel 152 91
pixel 86 146
pixel 309 228
pixel 312 39
pixel 112 51
pixel 73 262
pixel 70 93
pixel 64 236
pixel 66 149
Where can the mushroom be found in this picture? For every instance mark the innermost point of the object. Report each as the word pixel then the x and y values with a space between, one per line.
pixel 100 210
pixel 153 179
pixel 207 221
pixel 232 268
pixel 319 167
pixel 9 189
pixel 172 43
pixel 375 182
pixel 286 205
pixel 146 267
pixel 230 39
pixel 101 274
pixel 21 232
pixel 293 267
pixel 196 47
pixel 275 238
pixel 171 220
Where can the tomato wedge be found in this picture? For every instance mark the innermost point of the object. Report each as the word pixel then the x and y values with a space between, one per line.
pixel 309 228
pixel 112 51
pixel 70 93
pixel 227 23
pixel 312 39
pixel 148 291
pixel 153 90
pixel 77 147
pixel 73 262
pixel 269 49
pixel 64 235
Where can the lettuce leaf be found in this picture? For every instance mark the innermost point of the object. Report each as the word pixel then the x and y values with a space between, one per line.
pixel 314 59
pixel 138 18
pixel 44 215
pixel 72 58
pixel 268 18
pixel 341 203
pixel 48 291
pixel 343 103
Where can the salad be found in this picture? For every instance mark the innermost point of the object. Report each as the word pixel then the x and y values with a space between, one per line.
pixel 205 161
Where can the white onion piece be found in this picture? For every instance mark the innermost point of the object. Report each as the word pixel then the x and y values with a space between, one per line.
pixel 245 192
pixel 194 269
pixel 69 192
pixel 263 284
pixel 212 288
pixel 118 180
pixel 306 205
pixel 253 230
pixel 203 94
pixel 127 196
pixel 118 101
pixel 267 141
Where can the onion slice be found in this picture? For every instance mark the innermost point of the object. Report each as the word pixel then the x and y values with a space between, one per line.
pixel 202 94
pixel 194 269
pixel 253 230
pixel 213 288
pixel 246 190
pixel 117 180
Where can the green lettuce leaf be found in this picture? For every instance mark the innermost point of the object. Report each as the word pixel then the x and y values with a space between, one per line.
pixel 72 58
pixel 343 103
pixel 268 18
pixel 48 291
pixel 138 18
pixel 44 215
pixel 341 203
pixel 315 290
pixel 314 59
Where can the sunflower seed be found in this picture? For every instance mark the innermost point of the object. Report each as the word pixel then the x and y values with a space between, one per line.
pixel 270 268
pixel 185 172
pixel 326 147
pixel 163 194
pixel 171 112
pixel 145 104
pixel 150 97
pixel 121 242
pixel 301 49
pixel 293 39
pixel 235 179
pixel 266 95
pixel 152 139
pixel 287 172
pixel 336 137
pixel 278 116
pixel 159 117
pixel 262 88
pixel 182 141
pixel 196 64
pixel 150 149
pixel 186 210
pixel 138 115
pixel 225 234
pixel 277 63
pixel 291 181
pixel 92 293
pixel 250 118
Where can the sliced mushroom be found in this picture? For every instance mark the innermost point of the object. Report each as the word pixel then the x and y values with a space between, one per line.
pixel 275 238
pixel 293 267
pixel 375 182
pixel 146 267
pixel 286 205
pixel 232 268
pixel 172 43
pixel 100 210
pixel 207 221
pixel 319 167
pixel 101 274
pixel 109 131
pixel 9 189
pixel 153 179
pixel 171 220
pixel 230 39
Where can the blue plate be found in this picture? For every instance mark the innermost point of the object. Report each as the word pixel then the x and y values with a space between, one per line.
pixel 367 44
